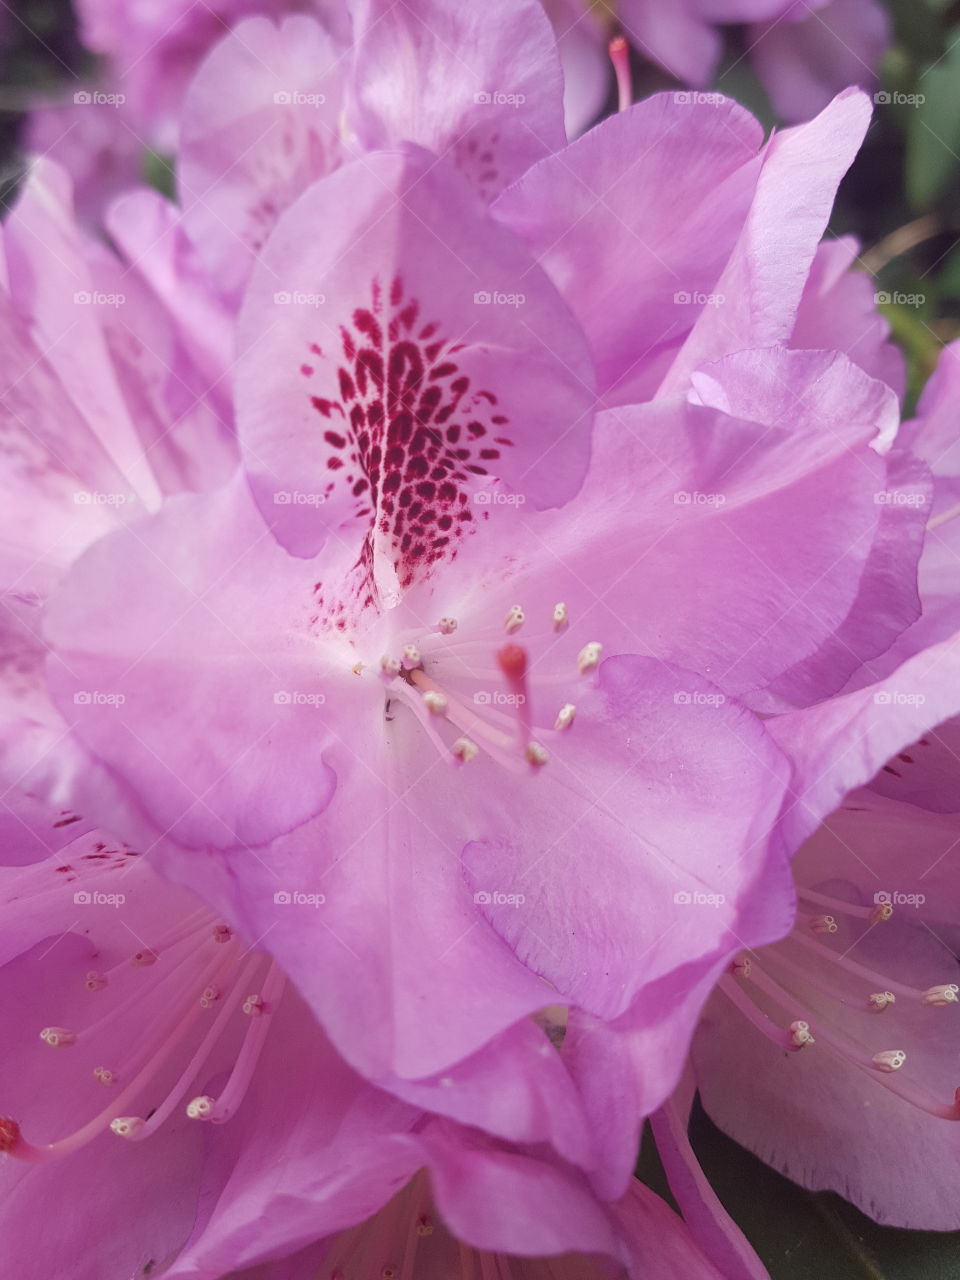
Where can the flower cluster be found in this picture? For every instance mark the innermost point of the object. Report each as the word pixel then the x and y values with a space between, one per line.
pixel 468 602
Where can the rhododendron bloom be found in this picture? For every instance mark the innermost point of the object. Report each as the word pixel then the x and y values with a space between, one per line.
pixel 167 1089
pixel 469 672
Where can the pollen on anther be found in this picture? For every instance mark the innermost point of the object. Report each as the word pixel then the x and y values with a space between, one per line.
pixel 200 1108
pixel 143 959
pixel 424 1226
pixel 435 702
pixel 565 716
pixel 104 1075
pixel 536 755
pixel 946 993
pixel 588 659
pixel 800 1034
pixel 447 626
pixel 741 967
pixel 126 1126
pixel 560 617
pixel 465 749
pixel 514 620
pixel 881 912
pixel 95 981
pixel 389 667
pixel 58 1037
pixel 209 997
pixel 889 1060
pixel 253 1006
pixel 823 924
pixel 878 1000
pixel 411 657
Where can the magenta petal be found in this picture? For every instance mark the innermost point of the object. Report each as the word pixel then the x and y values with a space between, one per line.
pixel 122 671
pixel 669 882
pixel 764 279
pixel 840 744
pixel 804 63
pixel 838 312
pixel 261 121
pixel 674 35
pixel 413 301
pixel 480 85
pixel 632 240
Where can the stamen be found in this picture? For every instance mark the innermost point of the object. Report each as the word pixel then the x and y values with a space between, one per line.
pixel 942 995
pixel 222 933
pixel 58 1037
pixel 514 620
pixel 143 959
pixel 389 667
pixel 800 1034
pixel 201 1108
pixel 588 659
pixel 881 911
pixel 253 1006
pixel 889 1060
pixel 447 626
pixel 822 924
pixel 560 617
pixel 95 981
pixel 536 754
pixel 435 702
pixel 879 1000
pixel 104 1075
pixel 465 750
pixel 566 716
pixel 620 57
pixel 411 657
pixel 126 1126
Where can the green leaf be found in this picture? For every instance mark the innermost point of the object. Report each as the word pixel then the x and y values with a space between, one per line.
pixel 933 132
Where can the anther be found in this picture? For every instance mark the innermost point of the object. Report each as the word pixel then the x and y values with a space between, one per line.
pixel 881 912
pixel 823 924
pixel 566 716
pixel 878 1000
pixel 465 749
pixel 94 981
pixel 435 702
pixel 209 997
pixel 222 933
pixel 126 1126
pixel 889 1060
pixel 389 667
pixel 514 620
pixel 800 1034
pixel 104 1075
pixel 58 1037
pixel 143 959
pixel 447 626
pixel 253 1006
pixel 424 1226
pixel 411 657
pixel 588 659
pixel 741 966
pixel 536 755
pixel 9 1135
pixel 561 618
pixel 200 1108
pixel 944 994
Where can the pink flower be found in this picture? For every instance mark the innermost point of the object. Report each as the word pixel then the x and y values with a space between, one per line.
pixel 168 1090
pixel 509 634
pixel 804 53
